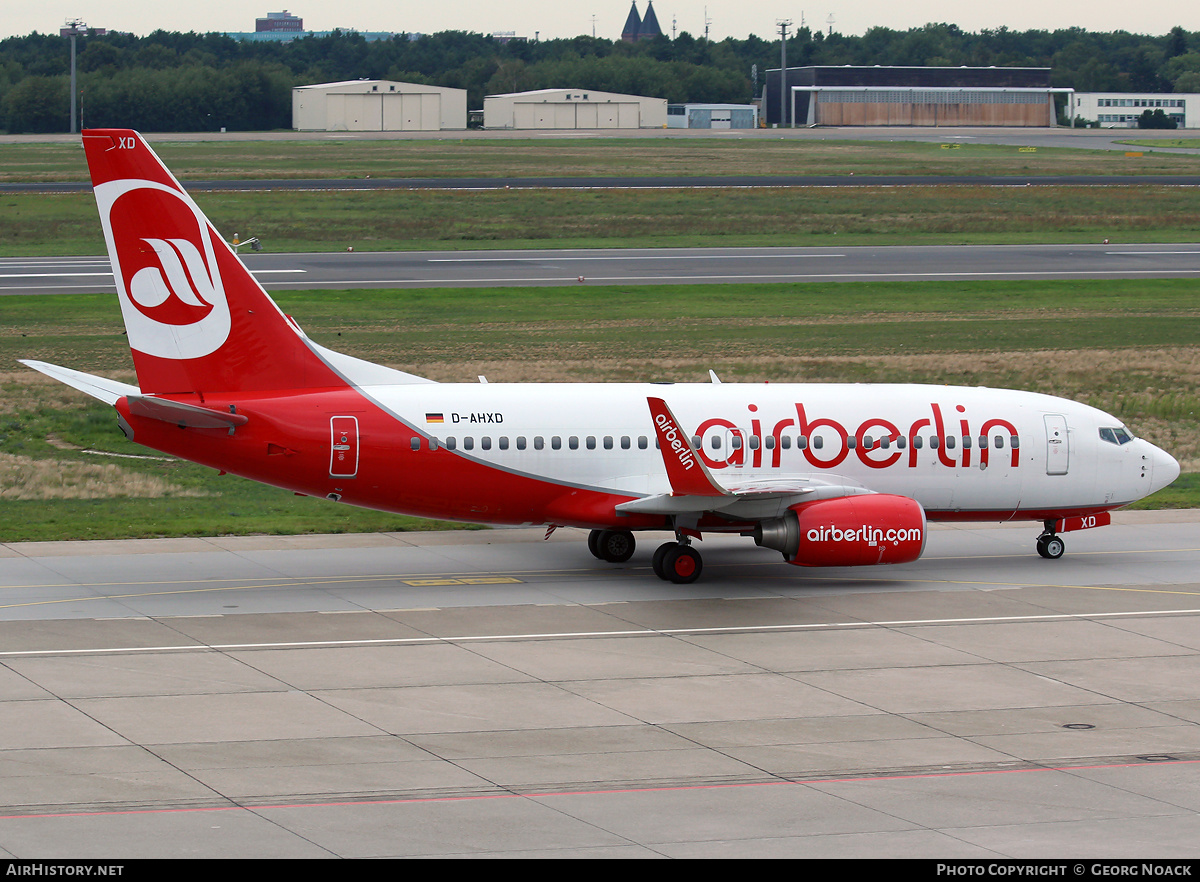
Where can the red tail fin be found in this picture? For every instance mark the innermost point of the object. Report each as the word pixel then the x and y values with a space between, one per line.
pixel 197 320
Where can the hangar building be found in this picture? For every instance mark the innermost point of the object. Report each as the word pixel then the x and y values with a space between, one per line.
pixel 377 106
pixel 573 109
pixel 911 96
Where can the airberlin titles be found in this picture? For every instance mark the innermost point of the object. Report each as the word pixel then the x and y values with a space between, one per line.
pixel 877 442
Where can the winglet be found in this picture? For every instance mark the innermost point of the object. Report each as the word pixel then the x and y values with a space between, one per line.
pixel 686 472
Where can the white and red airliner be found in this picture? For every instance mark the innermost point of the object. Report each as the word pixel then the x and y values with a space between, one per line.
pixel 828 475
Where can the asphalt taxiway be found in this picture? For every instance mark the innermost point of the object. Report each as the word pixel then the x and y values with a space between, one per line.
pixel 491 693
pixel 647 266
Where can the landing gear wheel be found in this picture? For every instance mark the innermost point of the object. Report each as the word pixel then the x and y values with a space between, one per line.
pixel 614 546
pixel 660 555
pixel 682 564
pixel 594 543
pixel 1050 547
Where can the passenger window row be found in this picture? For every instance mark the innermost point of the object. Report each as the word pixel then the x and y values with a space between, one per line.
pixel 520 442
pixel 716 442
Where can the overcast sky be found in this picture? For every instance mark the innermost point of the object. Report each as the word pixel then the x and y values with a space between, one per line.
pixel 568 18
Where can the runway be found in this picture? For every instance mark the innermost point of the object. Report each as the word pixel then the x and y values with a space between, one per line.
pixel 493 694
pixel 638 183
pixel 342 270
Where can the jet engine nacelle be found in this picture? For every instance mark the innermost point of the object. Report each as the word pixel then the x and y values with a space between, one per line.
pixel 848 531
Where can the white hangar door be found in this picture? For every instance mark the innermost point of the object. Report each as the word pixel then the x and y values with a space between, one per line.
pixel 608 116
pixel 358 112
pixel 586 116
pixel 412 112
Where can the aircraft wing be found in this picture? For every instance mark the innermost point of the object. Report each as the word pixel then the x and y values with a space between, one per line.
pixel 695 491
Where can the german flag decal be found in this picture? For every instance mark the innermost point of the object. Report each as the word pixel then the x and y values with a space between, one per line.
pixel 434 418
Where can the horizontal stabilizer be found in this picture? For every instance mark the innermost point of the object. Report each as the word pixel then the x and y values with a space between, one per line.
pixel 108 391
pixel 187 416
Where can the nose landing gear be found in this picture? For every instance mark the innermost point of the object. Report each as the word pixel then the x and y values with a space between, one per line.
pixel 1049 545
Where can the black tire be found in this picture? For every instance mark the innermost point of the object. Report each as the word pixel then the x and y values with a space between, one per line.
pixel 615 546
pixel 1055 548
pixel 682 564
pixel 660 555
pixel 594 543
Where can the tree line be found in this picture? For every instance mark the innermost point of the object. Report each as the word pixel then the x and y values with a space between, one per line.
pixel 170 81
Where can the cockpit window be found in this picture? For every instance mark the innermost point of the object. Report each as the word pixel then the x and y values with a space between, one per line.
pixel 1116 435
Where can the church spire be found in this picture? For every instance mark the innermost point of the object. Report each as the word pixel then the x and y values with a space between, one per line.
pixel 632 25
pixel 649 29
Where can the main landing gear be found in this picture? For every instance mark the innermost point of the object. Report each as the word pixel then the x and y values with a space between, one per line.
pixel 1049 545
pixel 614 546
pixel 677 562
pixel 674 562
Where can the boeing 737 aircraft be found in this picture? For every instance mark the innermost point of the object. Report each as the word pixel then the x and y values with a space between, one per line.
pixel 827 475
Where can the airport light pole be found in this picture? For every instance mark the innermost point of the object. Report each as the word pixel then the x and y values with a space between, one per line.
pixel 784 24
pixel 74 28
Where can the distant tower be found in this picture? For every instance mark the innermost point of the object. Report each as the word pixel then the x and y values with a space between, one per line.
pixel 649 29
pixel 632 25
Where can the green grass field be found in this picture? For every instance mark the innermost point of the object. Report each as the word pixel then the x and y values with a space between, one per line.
pixel 448 157
pixel 400 220
pixel 1190 143
pixel 1127 347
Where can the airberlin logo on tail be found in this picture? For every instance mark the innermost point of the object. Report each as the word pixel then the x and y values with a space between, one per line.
pixel 172 296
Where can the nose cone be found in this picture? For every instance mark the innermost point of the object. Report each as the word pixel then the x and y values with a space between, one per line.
pixel 1163 468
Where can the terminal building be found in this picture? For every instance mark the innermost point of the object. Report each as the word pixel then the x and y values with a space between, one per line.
pixel 712 116
pixel 910 96
pixel 377 106
pixel 573 109
pixel 1121 110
